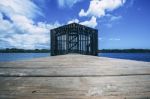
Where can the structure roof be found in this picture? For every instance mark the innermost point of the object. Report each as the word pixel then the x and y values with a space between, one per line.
pixel 74 25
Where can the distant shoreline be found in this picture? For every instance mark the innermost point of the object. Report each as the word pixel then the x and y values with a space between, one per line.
pixel 15 50
pixel 124 51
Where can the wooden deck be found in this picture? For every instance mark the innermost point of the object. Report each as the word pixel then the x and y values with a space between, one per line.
pixel 75 77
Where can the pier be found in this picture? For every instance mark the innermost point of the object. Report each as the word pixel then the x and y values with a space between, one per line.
pixel 75 76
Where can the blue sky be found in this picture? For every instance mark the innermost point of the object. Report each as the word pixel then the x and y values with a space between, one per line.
pixel 122 24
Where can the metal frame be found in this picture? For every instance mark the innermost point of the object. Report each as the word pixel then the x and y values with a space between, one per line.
pixel 74 38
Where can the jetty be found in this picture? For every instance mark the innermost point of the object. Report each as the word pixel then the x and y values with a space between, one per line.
pixel 75 76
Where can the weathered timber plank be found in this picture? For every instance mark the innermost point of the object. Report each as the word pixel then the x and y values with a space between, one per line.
pixel 74 65
pixel 75 77
pixel 74 87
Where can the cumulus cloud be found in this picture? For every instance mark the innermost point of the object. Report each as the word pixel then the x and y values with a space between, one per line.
pixel 67 3
pixel 24 33
pixel 19 29
pixel 98 8
pixel 90 23
pixel 1 16
pixel 21 7
pixel 73 21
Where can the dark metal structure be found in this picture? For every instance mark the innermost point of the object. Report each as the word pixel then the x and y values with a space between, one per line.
pixel 74 38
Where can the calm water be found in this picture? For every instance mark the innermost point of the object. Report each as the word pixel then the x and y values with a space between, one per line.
pixel 25 56
pixel 131 56
pixel 20 56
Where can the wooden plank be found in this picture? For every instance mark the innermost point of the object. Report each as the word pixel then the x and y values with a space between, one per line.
pixel 75 77
pixel 75 65
pixel 74 87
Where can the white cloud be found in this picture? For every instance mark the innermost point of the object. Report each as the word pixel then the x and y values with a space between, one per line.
pixel 113 18
pixel 82 13
pixel 73 21
pixel 114 39
pixel 1 16
pixel 98 8
pixel 6 26
pixel 91 23
pixel 67 3
pixel 25 34
pixel 20 7
pixel 20 30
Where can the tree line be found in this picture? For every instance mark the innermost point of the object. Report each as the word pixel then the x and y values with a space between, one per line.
pixel 16 50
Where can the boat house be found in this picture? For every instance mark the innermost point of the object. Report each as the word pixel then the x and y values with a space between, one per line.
pixel 74 38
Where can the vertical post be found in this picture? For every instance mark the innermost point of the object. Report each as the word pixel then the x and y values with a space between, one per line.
pixel 96 42
pixel 66 42
pixel 52 43
pixel 92 46
pixel 85 43
pixel 56 44
pixel 82 42
pixel 79 42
